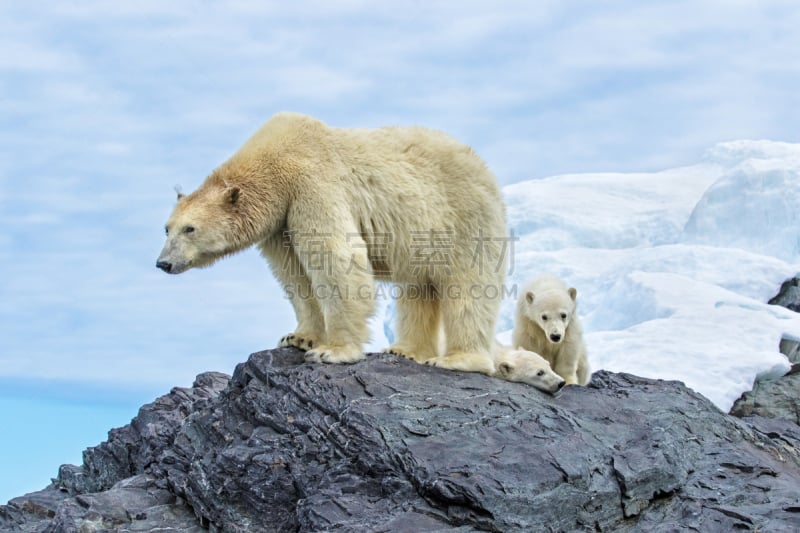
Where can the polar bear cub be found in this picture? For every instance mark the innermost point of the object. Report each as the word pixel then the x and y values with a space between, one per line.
pixel 546 323
pixel 525 367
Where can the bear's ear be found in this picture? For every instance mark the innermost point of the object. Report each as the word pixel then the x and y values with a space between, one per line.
pixel 181 196
pixel 232 195
pixel 505 368
pixel 529 297
pixel 573 293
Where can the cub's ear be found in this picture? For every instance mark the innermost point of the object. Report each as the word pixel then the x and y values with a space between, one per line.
pixel 232 195
pixel 573 293
pixel 529 297
pixel 181 196
pixel 505 368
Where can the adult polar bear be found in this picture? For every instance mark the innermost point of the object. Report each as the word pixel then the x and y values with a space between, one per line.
pixel 332 209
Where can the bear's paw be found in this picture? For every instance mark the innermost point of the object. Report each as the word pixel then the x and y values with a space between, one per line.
pixel 335 354
pixel 303 341
pixel 414 355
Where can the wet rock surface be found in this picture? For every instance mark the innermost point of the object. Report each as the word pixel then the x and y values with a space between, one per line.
pixel 789 295
pixel 778 398
pixel 389 445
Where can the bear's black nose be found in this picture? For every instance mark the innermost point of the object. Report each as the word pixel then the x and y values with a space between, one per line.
pixel 560 385
pixel 166 266
pixel 555 337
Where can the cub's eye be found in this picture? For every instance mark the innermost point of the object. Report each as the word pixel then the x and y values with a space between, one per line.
pixel 166 231
pixel 188 229
pixel 544 317
pixel 563 316
pixel 540 373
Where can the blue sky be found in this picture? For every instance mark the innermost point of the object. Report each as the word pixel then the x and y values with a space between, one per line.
pixel 106 106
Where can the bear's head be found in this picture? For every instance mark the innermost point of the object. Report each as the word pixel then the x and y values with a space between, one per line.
pixel 202 228
pixel 528 367
pixel 552 311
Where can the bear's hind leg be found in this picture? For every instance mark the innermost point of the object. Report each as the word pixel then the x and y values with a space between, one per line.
pixel 418 324
pixel 469 333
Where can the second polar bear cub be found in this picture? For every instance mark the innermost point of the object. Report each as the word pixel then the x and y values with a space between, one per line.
pixel 546 323
pixel 525 367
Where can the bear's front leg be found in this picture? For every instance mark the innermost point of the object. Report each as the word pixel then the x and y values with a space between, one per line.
pixel 343 288
pixel 567 367
pixel 310 325
pixel 290 272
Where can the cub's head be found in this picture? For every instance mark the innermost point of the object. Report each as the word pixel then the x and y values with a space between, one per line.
pixel 201 229
pixel 528 367
pixel 551 310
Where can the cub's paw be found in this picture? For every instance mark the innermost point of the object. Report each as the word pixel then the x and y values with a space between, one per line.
pixel 335 354
pixel 400 351
pixel 298 340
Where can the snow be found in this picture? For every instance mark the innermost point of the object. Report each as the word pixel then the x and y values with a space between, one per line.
pixel 673 269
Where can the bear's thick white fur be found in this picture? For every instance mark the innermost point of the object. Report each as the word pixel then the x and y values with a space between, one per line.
pixel 525 367
pixel 546 323
pixel 332 209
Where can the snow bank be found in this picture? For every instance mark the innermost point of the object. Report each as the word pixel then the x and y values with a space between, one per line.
pixel 672 268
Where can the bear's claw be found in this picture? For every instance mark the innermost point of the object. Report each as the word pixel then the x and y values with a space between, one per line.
pixel 302 342
pixel 408 354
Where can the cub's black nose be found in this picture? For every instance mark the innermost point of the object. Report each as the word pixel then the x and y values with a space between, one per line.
pixel 166 266
pixel 560 385
pixel 555 337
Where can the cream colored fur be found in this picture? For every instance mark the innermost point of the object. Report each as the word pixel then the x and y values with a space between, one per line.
pixel 334 209
pixel 546 323
pixel 525 367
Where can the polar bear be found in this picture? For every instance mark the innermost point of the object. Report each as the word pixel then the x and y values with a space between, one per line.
pixel 546 323
pixel 333 209
pixel 525 367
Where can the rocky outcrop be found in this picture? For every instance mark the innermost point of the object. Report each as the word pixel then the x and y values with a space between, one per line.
pixel 775 398
pixel 789 294
pixel 778 398
pixel 389 445
pixel 111 491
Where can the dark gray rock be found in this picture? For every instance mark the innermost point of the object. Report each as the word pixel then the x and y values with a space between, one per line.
pixel 789 294
pixel 776 398
pixel 791 349
pixel 132 449
pixel 134 504
pixel 389 445
pixel 109 492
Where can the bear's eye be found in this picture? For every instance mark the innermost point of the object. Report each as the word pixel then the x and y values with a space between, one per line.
pixel 166 231
pixel 188 229
pixel 540 373
pixel 544 317
pixel 563 316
